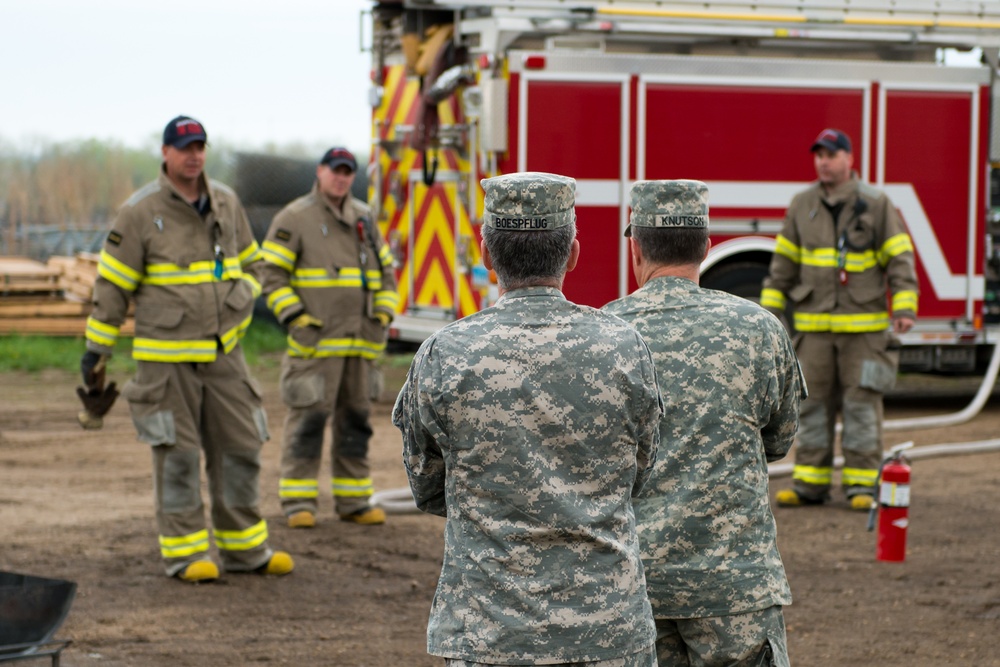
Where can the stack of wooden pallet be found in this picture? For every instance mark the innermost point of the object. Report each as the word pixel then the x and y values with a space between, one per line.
pixel 53 298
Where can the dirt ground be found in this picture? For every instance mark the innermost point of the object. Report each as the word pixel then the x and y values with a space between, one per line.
pixel 77 505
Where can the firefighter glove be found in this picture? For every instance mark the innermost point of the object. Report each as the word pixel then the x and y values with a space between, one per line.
pixel 305 320
pixel 96 403
pixel 92 369
pixel 383 318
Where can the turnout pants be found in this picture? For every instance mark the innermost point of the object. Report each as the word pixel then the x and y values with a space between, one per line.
pixel 184 410
pixel 316 390
pixel 846 374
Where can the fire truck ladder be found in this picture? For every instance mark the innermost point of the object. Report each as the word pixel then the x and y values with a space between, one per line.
pixel 939 23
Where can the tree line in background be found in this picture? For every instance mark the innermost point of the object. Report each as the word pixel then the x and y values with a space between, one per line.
pixel 76 187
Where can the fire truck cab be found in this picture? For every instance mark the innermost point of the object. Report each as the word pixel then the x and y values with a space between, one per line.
pixel 731 93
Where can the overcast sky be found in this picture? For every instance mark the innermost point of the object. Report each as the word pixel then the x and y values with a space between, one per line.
pixel 253 71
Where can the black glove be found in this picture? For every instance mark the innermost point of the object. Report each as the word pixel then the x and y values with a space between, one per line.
pixel 93 376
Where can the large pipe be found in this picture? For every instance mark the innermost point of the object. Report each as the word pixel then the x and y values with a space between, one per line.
pixel 970 411
pixel 400 501
pixel 926 452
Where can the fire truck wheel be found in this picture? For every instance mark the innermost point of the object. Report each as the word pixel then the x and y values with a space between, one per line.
pixel 742 279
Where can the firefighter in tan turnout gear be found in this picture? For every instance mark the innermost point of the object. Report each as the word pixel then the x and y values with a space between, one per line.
pixel 329 278
pixel 841 249
pixel 182 248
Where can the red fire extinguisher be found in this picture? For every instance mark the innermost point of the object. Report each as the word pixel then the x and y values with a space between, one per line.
pixel 893 506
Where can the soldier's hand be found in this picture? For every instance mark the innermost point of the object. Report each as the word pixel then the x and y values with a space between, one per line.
pixel 92 369
pixel 305 320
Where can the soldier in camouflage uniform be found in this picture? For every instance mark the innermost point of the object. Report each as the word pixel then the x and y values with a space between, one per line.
pixel 731 385
pixel 531 425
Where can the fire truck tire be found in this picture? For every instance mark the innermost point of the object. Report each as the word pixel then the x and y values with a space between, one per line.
pixel 742 279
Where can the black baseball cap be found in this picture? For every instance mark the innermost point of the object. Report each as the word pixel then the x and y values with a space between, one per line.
pixel 182 131
pixel 833 140
pixel 339 156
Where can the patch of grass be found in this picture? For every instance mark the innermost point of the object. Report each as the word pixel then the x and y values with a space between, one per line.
pixel 37 353
pixel 263 345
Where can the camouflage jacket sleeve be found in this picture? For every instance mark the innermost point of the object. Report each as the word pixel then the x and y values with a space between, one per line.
pixel 785 392
pixel 649 423
pixel 414 414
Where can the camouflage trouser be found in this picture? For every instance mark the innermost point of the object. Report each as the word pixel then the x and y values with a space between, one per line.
pixel 845 374
pixel 316 390
pixel 645 658
pixel 753 639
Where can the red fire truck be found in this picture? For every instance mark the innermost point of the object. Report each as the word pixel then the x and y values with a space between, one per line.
pixel 731 93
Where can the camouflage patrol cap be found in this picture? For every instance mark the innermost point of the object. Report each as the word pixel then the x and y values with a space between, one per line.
pixel 529 201
pixel 668 204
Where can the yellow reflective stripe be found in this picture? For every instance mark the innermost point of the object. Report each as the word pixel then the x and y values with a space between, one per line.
pixel 374 279
pixel 171 274
pixel 786 248
pixel 895 246
pixel 296 349
pixel 385 256
pixel 349 277
pixel 348 347
pixel 281 299
pixel 173 351
pixel 858 476
pixel 336 347
pixel 858 262
pixel 255 287
pixel 298 488
pixel 821 257
pixel 349 487
pixel 856 323
pixel 813 475
pixel 904 300
pixel 230 338
pixel 184 545
pixel 250 254
pixel 772 298
pixel 231 269
pixel 101 333
pixel 241 540
pixel 387 299
pixel 279 255
pixel 118 273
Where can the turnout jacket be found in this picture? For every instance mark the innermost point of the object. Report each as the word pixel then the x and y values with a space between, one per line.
pixel 194 279
pixel 837 272
pixel 334 266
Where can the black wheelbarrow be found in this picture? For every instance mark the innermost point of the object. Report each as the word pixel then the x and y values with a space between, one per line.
pixel 31 611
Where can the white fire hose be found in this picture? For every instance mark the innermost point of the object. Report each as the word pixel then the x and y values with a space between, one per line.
pixel 400 501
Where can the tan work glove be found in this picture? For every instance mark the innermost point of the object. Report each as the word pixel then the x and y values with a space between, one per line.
pixel 305 320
